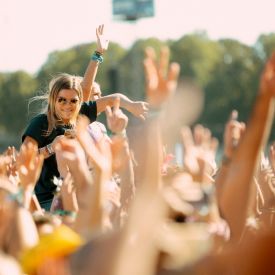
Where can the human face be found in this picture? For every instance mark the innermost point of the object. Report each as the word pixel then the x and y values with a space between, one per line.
pixel 67 105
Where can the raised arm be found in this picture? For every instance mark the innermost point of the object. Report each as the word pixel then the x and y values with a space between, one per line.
pixel 96 59
pixel 241 168
pixel 122 162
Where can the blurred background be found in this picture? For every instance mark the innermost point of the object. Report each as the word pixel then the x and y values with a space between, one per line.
pixel 221 45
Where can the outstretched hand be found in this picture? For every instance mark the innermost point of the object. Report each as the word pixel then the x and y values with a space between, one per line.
pixel 200 149
pixel 102 42
pixel 161 78
pixel 29 165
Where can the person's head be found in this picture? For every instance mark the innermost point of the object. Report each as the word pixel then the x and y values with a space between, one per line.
pixel 64 100
pixel 95 91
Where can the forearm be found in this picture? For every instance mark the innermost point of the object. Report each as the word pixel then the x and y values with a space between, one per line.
pixel 125 102
pixel 109 100
pixel 90 215
pixel 27 196
pixel 88 79
pixel 127 186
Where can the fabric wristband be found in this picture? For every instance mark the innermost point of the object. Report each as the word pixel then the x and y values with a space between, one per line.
pixel 96 56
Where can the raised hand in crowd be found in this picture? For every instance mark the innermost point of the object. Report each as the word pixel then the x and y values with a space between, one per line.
pixel 161 77
pixel 199 153
pixel 91 203
pixel 233 132
pixel 29 165
pixel 122 162
pixel 235 193
pixel 96 59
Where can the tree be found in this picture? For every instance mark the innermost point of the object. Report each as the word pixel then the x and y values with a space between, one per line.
pixel 16 89
pixel 233 85
pixel 197 56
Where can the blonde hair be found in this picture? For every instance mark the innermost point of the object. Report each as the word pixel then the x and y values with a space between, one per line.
pixel 58 83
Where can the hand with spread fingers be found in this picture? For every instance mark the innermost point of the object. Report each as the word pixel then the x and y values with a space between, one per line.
pixel 29 165
pixel 102 41
pixel 199 153
pixel 161 77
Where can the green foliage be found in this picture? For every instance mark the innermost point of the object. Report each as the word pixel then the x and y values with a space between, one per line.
pixel 197 56
pixel 131 76
pixel 265 45
pixel 232 86
pixel 227 70
pixel 15 90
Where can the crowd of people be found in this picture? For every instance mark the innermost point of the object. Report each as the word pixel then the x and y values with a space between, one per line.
pixel 80 197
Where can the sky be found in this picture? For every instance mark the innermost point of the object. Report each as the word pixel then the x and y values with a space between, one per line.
pixel 31 29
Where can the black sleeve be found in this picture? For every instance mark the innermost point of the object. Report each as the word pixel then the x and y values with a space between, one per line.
pixel 89 109
pixel 37 129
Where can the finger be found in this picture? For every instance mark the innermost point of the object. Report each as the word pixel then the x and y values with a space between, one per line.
pixel 108 112
pixel 142 117
pixel 146 106
pixel 150 53
pixel 164 61
pixel 116 105
pixel 214 144
pixel 198 134
pixel 173 72
pixel 187 137
pixel 102 29
pixel 234 115
pixel 150 74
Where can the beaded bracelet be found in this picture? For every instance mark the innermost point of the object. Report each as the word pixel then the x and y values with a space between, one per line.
pixel 97 56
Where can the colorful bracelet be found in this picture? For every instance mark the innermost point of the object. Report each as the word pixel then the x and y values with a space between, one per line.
pixel 97 56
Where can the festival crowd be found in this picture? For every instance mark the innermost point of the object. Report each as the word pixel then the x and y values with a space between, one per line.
pixel 81 198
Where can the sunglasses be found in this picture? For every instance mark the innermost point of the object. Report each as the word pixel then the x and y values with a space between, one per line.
pixel 64 100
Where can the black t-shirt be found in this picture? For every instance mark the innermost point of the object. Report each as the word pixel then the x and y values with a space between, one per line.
pixel 36 129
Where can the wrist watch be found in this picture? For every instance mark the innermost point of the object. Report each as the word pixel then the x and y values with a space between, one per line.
pixel 49 149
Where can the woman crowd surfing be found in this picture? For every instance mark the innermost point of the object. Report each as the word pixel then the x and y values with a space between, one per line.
pixel 76 200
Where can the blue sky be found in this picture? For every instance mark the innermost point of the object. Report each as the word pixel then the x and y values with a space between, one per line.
pixel 31 29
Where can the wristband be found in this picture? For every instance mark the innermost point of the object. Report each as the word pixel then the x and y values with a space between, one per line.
pixel 98 53
pixel 121 134
pixel 49 149
pixel 96 56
